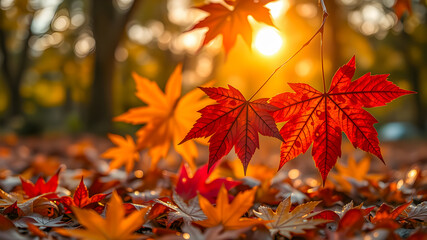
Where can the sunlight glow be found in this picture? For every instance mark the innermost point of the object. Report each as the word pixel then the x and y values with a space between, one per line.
pixel 277 8
pixel 268 41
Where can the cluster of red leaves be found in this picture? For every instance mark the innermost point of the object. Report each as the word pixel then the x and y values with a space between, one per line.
pixel 310 115
pixel 216 204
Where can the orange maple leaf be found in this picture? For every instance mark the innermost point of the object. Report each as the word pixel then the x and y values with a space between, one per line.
pixel 346 172
pixel 401 6
pixel 126 152
pixel 229 214
pixel 114 226
pixel 167 117
pixel 231 20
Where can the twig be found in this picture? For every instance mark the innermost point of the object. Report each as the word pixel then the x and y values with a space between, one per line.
pixel 320 30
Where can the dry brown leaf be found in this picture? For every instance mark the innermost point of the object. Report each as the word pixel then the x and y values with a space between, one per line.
pixel 286 222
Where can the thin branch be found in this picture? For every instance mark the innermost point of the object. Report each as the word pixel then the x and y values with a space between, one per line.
pixel 322 2
pixel 325 15
pixel 321 57
pixel 320 30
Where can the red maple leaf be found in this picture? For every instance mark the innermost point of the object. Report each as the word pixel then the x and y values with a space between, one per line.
pixel 386 216
pixel 41 187
pixel 350 223
pixel 234 121
pixel 13 211
pixel 81 199
pixel 319 118
pixel 187 187
pixel 231 20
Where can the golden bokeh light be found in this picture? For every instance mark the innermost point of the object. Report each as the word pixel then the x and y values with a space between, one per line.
pixel 268 41
pixel 277 8
pixel 294 173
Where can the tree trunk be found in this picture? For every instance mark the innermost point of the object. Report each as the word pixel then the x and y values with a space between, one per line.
pixel 108 27
pixel 13 75
pixel 413 73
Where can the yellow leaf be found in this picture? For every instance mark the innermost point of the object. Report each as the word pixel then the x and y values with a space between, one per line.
pixel 286 222
pixel 167 117
pixel 228 214
pixel 126 152
pixel 234 170
pixel 115 226
pixel 354 170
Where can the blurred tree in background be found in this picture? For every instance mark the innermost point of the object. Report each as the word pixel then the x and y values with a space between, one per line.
pixel 66 64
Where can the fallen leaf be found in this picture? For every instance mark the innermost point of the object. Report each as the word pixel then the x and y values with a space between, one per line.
pixel 81 199
pixel 187 187
pixel 350 223
pixel 8 199
pixel 212 233
pixel 13 211
pixel 39 204
pixel 6 224
pixel 350 206
pixel 345 172
pixel 114 226
pixel 102 184
pixel 126 152
pixel 286 222
pixel 229 215
pixel 42 164
pixel 34 230
pixel 419 234
pixel 190 212
pixel 40 221
pixel 8 230
pixel 43 206
pixel 266 192
pixel 416 212
pixel 288 191
pixel 233 169
pixel 328 195
pixel 386 216
pixel 41 187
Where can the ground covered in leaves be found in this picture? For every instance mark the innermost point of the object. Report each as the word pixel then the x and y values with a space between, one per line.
pixel 78 196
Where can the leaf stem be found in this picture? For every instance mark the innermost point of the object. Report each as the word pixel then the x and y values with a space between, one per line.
pixel 320 30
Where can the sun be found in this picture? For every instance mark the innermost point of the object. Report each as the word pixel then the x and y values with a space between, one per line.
pixel 268 41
